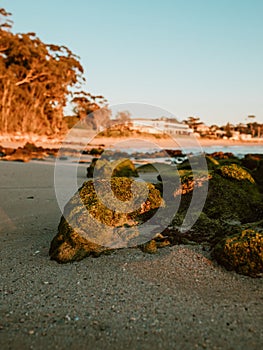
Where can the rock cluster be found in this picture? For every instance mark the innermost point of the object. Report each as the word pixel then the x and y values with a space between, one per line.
pixel 26 153
pixel 230 223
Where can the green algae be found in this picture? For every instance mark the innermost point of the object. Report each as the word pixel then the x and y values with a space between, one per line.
pixel 104 168
pixel 88 227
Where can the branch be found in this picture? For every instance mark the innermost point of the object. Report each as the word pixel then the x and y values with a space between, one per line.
pixel 29 78
pixel 2 49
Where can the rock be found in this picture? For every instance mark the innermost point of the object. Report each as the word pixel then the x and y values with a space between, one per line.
pixel 96 152
pixel 198 162
pixel 2 151
pixel 233 171
pixel 174 152
pixel 225 158
pixel 251 161
pixel 89 227
pixel 90 169
pixel 258 175
pixel 232 197
pixel 222 155
pixel 117 168
pixel 149 247
pixel 26 153
pixel 242 252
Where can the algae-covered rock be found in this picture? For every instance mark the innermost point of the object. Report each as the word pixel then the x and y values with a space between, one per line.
pixel 242 252
pixel 117 168
pixel 233 198
pixel 233 195
pixel 225 158
pixel 251 161
pixel 234 171
pixel 89 227
pixel 149 247
pixel 258 175
pixel 198 162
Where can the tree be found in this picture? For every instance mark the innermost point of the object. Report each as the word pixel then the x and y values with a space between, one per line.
pixel 252 125
pixel 123 117
pixel 93 110
pixel 192 122
pixel 228 130
pixel 36 80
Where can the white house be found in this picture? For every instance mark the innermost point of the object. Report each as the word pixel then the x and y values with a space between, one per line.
pixel 160 126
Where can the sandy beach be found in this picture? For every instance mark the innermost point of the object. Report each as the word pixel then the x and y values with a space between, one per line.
pixel 79 139
pixel 175 299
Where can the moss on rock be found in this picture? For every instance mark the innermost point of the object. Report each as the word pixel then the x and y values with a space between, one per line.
pixel 236 172
pixel 89 227
pixel 117 168
pixel 242 252
pixel 233 199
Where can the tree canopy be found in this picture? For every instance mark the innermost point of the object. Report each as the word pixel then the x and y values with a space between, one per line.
pixel 36 80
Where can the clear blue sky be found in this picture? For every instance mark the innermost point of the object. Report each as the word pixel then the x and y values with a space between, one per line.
pixel 190 57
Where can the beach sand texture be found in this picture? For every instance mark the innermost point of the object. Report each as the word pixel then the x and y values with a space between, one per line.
pixel 175 299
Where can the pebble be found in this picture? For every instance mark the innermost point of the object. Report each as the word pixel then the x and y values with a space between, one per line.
pixel 67 317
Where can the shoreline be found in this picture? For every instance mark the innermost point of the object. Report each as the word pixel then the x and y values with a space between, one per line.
pixel 79 142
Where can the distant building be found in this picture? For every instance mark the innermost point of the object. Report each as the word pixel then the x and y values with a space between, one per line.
pixel 161 126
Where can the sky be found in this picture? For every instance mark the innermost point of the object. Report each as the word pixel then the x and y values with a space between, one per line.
pixel 199 58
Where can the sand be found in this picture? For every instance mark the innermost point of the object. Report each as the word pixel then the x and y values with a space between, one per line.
pixel 78 138
pixel 176 299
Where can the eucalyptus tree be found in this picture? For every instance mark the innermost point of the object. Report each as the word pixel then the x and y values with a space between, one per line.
pixel 92 110
pixel 36 80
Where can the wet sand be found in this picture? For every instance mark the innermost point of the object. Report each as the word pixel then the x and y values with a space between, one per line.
pixel 176 299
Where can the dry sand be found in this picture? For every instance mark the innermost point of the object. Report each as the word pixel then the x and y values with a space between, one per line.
pixel 176 299
pixel 80 138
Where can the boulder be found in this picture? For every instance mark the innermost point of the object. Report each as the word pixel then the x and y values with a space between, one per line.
pixel 242 252
pixel 251 161
pixel 198 162
pixel 89 227
pixel 117 168
pixel 258 175
pixel 233 199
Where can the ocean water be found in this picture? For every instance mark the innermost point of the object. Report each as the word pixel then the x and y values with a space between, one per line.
pixel 237 150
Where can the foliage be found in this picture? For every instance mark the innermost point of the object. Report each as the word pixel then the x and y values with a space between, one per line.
pixel 36 81
pixel 228 130
pixel 91 110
